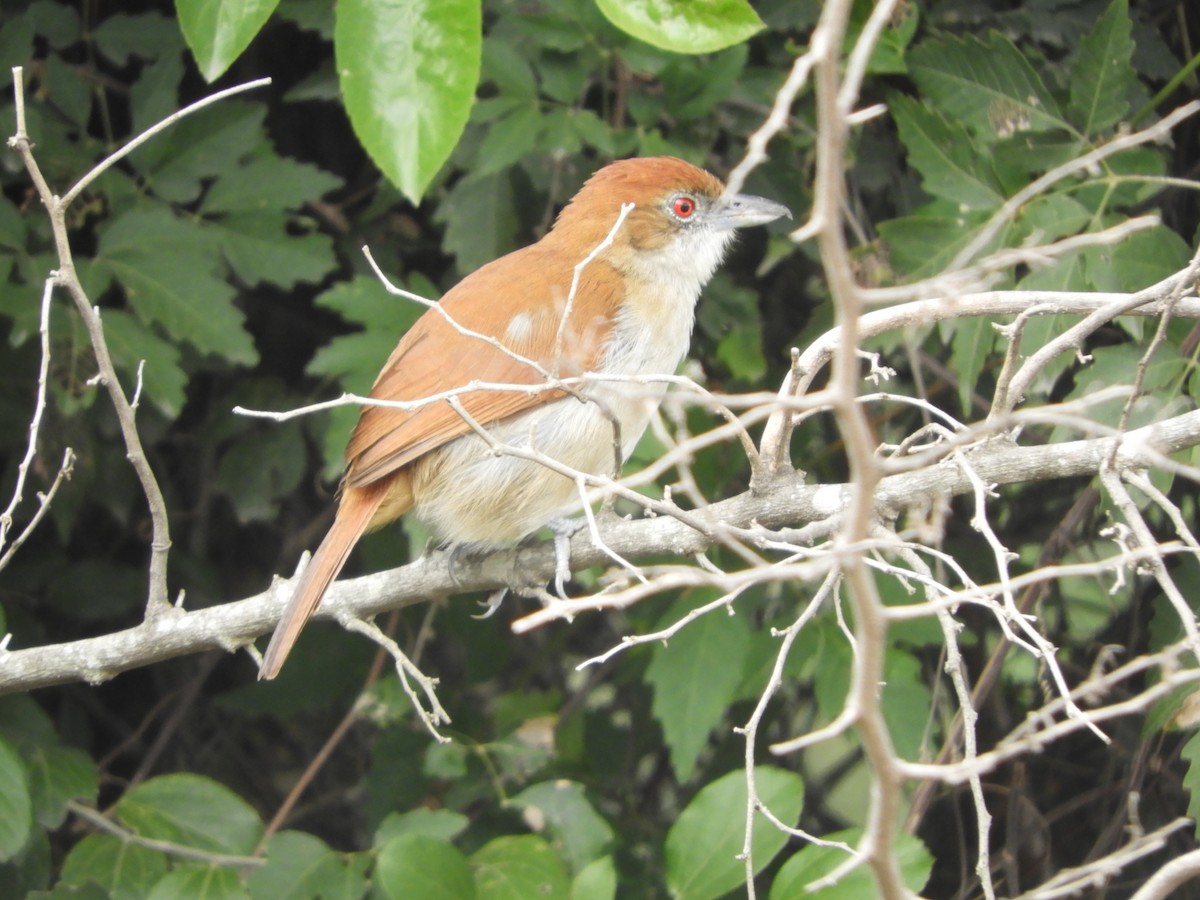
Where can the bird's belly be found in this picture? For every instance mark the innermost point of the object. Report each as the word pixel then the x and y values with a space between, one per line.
pixel 469 494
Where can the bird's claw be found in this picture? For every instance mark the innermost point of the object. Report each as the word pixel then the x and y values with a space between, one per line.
pixel 491 604
pixel 563 530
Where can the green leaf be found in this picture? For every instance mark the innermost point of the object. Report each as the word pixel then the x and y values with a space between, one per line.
pixel 814 862
pixel 480 215
pixel 265 465
pixel 1191 779
pixel 199 882
pixel 58 775
pixel 202 146
pixel 942 151
pixel 125 869
pixel 16 805
pixel 167 268
pixel 298 866
pixel 580 834
pixel 416 867
pixel 1102 75
pixel 516 867
pixel 132 344
pixel 703 844
pixel 925 243
pixel 193 811
pixel 972 343
pixel 596 882
pixel 443 824
pixel 259 247
pixel 147 35
pixel 218 32
pixel 986 84
pixel 695 677
pixel 267 182
pixel 1052 216
pixel 684 26
pixel 507 140
pixel 408 71
pixel 1142 259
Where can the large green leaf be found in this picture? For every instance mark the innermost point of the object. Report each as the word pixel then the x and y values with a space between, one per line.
pixel 1102 76
pixel 695 677
pixel 813 863
pixel 570 819
pixel 416 867
pixel 704 843
pixel 516 867
pixel 125 869
pixel 260 246
pixel 133 344
pixel 408 71
pixel 298 865
pixel 985 83
pixel 217 31
pixel 684 26
pixel 193 811
pixel 942 152
pixel 58 775
pixel 16 805
pixel 168 269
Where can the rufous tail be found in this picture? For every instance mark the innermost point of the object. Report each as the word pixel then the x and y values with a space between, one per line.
pixel 355 513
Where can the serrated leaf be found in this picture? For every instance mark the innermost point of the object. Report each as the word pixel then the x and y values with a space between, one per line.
pixel 813 863
pixel 942 151
pixel 408 70
pixel 508 139
pixel 125 869
pixel 480 215
pixel 167 268
pixel 703 845
pixel 1101 75
pixel 262 467
pixel 985 83
pixel 204 145
pixel 218 32
pixel 974 338
pixel 695 677
pixel 132 344
pixel 415 867
pixel 925 243
pixel 571 820
pixel 16 805
pixel 147 35
pixel 258 247
pixel 1191 779
pixel 516 867
pixel 684 26
pixel 193 811
pixel 267 182
pixel 1142 259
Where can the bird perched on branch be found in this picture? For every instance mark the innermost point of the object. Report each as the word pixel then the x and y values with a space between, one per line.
pixel 519 321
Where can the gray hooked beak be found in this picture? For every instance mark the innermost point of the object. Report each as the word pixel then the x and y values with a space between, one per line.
pixel 743 210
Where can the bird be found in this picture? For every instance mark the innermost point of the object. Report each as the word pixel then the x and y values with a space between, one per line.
pixel 516 321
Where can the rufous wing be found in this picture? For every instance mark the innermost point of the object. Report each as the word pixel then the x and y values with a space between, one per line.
pixel 518 300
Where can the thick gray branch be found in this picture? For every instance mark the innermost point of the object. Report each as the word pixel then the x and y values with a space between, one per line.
pixel 785 501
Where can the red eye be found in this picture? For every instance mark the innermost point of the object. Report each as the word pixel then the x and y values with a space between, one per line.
pixel 683 207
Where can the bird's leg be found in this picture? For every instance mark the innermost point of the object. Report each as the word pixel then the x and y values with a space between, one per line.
pixel 563 530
